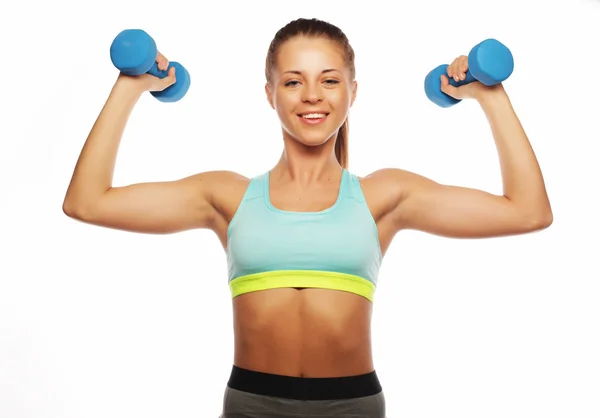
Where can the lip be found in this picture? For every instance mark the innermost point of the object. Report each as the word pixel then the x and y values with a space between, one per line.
pixel 312 122
pixel 313 111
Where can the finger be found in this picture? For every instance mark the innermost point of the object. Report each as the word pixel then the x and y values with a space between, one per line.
pixel 455 70
pixel 464 66
pixel 459 71
pixel 163 65
pixel 162 62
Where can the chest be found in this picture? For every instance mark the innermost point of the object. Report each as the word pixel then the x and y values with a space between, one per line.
pixel 343 240
pixel 315 199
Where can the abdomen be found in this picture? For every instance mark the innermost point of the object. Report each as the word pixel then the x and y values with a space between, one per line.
pixel 306 332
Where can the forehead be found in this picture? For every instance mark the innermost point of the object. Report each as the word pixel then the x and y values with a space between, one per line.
pixel 310 54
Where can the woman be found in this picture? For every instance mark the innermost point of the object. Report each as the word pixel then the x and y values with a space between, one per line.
pixel 306 239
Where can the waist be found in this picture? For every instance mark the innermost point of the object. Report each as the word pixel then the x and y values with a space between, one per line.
pixel 304 388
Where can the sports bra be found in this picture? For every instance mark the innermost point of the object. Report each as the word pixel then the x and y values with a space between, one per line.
pixel 336 248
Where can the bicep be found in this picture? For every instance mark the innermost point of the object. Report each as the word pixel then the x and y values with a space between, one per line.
pixel 154 207
pixel 457 212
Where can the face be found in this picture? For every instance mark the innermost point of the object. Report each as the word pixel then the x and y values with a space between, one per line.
pixel 311 90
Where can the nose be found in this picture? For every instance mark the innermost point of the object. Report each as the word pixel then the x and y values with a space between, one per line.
pixel 312 93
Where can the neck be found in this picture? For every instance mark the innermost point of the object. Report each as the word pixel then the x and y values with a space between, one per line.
pixel 307 164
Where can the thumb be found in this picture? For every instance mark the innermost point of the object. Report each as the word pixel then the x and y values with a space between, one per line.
pixel 448 88
pixel 170 79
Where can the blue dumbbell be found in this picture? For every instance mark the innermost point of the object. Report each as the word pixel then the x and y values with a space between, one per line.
pixel 490 62
pixel 134 52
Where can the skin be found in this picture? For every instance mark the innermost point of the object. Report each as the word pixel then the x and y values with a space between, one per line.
pixel 309 332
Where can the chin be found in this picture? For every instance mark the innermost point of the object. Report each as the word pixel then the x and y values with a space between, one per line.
pixel 312 135
pixel 312 139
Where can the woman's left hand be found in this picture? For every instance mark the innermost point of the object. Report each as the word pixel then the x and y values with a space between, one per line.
pixel 474 90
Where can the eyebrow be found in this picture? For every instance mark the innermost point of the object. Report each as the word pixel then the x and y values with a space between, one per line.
pixel 300 72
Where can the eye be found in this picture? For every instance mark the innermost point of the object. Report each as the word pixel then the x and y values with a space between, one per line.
pixel 294 83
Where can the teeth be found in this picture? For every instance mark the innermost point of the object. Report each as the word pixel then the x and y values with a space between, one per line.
pixel 314 116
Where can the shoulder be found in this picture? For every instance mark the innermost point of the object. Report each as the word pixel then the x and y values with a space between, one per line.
pixel 214 187
pixel 215 184
pixel 223 190
pixel 219 177
pixel 385 189
pixel 395 180
pixel 221 185
pixel 390 180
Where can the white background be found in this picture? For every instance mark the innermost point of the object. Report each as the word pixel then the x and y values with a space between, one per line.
pixel 98 323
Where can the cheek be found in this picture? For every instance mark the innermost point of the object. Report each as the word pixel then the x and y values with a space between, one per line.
pixel 340 101
pixel 339 96
pixel 286 102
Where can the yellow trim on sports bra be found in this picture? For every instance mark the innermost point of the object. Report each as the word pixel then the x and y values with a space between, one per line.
pixel 302 278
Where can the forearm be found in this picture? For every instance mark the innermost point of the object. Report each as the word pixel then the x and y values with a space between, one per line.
pixel 93 173
pixel 522 178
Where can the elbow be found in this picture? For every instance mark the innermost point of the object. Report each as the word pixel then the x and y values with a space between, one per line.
pixel 548 218
pixel 539 221
pixel 82 208
pixel 74 210
pixel 70 209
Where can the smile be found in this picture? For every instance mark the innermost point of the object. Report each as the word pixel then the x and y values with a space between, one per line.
pixel 313 118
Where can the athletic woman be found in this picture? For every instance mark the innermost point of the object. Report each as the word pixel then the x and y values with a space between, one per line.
pixel 305 239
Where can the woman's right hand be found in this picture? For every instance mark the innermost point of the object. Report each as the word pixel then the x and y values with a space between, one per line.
pixel 148 82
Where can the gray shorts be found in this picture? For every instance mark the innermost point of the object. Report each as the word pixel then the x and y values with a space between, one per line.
pixel 260 395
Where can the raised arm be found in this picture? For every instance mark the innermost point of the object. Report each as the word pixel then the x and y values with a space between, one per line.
pixel 153 207
pixel 416 202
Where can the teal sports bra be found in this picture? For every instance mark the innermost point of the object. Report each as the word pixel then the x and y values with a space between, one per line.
pixel 336 248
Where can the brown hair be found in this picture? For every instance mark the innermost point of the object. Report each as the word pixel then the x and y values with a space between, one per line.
pixel 316 28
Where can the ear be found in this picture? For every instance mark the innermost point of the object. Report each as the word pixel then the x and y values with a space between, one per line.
pixel 354 90
pixel 269 95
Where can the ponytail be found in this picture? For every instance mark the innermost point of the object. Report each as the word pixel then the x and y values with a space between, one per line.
pixel 341 145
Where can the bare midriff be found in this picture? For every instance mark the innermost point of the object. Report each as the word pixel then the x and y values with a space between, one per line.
pixel 303 332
